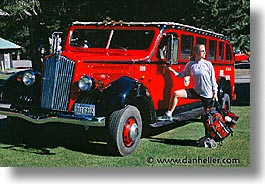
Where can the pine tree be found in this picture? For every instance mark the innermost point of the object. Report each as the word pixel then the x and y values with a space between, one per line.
pixel 30 22
pixel 231 18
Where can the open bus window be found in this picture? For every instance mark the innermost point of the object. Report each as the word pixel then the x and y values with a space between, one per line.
pixel 212 50
pixel 186 47
pixel 200 41
pixel 131 39
pixel 221 51
pixel 228 53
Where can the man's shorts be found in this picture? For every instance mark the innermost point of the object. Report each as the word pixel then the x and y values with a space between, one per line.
pixel 206 102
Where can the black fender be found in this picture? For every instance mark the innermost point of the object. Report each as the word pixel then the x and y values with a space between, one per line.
pixel 126 91
pixel 224 87
pixel 16 93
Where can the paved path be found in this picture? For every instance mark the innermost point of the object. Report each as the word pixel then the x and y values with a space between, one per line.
pixel 22 64
pixel 242 79
pixel 3 117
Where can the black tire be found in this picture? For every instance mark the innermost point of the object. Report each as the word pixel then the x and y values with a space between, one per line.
pixel 125 129
pixel 226 103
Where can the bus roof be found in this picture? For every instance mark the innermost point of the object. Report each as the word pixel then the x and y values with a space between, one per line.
pixel 173 25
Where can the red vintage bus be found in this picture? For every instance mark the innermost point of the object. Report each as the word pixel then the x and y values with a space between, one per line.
pixel 113 74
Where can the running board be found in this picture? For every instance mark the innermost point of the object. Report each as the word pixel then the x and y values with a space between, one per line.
pixel 179 117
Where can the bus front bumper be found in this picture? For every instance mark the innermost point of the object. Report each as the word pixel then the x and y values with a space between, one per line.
pixel 6 111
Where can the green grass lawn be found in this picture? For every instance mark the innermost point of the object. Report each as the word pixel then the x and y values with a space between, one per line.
pixel 59 145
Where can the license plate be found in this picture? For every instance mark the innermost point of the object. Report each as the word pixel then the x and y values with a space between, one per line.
pixel 84 109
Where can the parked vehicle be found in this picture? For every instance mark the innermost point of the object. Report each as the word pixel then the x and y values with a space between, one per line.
pixel 241 57
pixel 113 74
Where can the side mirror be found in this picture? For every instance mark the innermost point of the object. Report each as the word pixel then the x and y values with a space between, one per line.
pixel 172 54
pixel 55 42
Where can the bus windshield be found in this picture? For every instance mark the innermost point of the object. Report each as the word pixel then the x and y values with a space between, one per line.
pixel 112 39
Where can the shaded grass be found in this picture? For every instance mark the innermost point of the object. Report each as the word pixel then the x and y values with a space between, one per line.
pixel 59 145
pixel 3 78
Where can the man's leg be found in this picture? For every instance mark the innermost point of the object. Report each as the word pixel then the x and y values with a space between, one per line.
pixel 174 100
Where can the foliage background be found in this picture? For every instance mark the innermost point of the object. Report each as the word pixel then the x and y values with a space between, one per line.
pixel 29 23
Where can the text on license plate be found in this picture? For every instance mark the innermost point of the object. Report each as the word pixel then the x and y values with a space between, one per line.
pixel 85 109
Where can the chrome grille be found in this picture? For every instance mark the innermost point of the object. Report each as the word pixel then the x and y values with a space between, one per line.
pixel 57 78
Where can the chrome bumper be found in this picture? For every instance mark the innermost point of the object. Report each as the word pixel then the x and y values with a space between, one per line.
pixel 5 112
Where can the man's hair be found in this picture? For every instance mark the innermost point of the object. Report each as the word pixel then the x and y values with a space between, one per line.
pixel 195 49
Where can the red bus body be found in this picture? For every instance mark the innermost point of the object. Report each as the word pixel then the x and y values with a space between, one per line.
pixel 144 65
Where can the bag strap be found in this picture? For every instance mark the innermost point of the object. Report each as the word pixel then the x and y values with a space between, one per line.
pixel 217 104
pixel 214 104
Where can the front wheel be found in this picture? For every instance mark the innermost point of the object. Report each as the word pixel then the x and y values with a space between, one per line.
pixel 125 129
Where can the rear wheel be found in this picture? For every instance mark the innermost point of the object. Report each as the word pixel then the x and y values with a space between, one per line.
pixel 125 129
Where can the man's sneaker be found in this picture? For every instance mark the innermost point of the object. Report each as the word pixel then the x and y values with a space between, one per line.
pixel 207 142
pixel 212 144
pixel 165 117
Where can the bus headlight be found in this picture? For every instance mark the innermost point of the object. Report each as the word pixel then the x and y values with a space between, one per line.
pixel 29 78
pixel 85 83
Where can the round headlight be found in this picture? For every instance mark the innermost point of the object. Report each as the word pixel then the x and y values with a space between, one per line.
pixel 85 83
pixel 28 78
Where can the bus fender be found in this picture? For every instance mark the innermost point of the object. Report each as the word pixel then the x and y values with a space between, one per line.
pixel 15 92
pixel 127 91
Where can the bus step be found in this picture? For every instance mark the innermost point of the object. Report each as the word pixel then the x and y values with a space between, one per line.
pixel 180 117
pixel 161 123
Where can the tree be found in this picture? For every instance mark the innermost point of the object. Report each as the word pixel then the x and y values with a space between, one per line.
pixel 231 18
pixel 23 24
pixel 30 22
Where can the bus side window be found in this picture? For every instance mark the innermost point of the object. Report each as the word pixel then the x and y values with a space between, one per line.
pixel 228 53
pixel 221 51
pixel 212 50
pixel 186 47
pixel 200 41
pixel 163 48
pixel 168 48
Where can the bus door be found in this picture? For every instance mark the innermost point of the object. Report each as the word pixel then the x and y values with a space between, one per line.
pixel 161 81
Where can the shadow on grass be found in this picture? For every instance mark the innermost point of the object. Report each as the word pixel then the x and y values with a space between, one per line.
pixel 2 82
pixel 19 135
pixel 22 136
pixel 156 131
pixel 177 142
